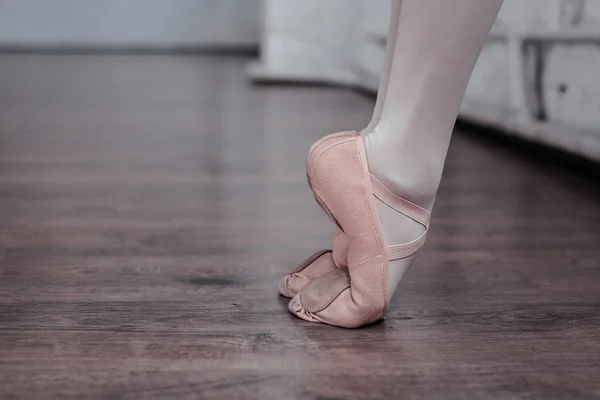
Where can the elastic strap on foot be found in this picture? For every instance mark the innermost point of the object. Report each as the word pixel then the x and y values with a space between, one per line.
pixel 405 207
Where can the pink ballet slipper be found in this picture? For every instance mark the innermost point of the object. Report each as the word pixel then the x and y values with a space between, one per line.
pixel 338 174
pixel 322 261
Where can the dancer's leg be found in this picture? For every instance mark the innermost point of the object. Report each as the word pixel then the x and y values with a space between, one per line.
pixel 436 50
pixel 387 66
pixel 437 45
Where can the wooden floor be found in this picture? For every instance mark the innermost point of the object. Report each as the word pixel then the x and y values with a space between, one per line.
pixel 149 205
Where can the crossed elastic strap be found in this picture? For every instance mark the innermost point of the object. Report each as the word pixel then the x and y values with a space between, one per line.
pixel 405 207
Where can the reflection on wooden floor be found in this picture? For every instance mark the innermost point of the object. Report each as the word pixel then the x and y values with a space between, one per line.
pixel 149 205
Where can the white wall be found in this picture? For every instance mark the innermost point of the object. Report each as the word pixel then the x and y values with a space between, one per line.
pixel 537 77
pixel 129 23
pixel 308 40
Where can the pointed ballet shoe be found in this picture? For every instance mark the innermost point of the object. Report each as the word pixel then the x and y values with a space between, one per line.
pixel 322 261
pixel 315 266
pixel 339 177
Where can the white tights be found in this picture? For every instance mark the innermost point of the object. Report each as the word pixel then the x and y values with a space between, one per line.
pixel 432 49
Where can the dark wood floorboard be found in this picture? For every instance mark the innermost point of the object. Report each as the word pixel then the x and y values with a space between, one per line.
pixel 149 205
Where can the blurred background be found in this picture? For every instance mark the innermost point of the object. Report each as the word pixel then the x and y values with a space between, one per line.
pixel 538 77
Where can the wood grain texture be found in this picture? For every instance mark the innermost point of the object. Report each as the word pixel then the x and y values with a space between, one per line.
pixel 149 205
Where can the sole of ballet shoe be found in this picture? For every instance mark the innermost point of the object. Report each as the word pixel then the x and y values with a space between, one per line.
pixel 318 264
pixel 339 177
pixel 315 266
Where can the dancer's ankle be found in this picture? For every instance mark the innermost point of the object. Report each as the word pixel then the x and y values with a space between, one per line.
pixel 415 179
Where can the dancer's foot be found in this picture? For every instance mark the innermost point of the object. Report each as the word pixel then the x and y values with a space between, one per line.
pixel 340 178
pixel 323 261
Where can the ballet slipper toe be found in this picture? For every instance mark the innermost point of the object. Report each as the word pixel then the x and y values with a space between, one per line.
pixel 313 267
pixel 290 285
pixel 319 294
pixel 357 295
pixel 329 300
pixel 296 308
pixel 326 300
